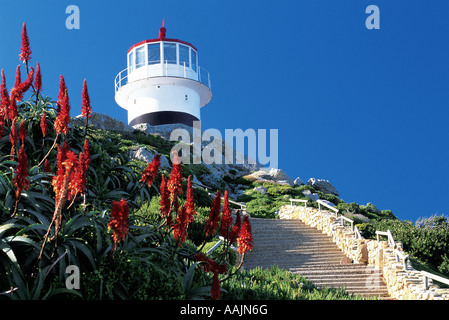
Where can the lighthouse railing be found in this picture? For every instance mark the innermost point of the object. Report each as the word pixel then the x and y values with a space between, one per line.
pixel 166 69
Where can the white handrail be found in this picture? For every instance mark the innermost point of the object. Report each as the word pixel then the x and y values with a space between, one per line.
pixel 299 200
pixel 343 218
pixel 428 275
pixel 321 203
pixel 399 254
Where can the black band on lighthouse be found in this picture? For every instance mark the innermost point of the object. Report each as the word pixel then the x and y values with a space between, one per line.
pixel 165 117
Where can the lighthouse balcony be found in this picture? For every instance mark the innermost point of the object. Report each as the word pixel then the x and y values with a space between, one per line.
pixel 167 68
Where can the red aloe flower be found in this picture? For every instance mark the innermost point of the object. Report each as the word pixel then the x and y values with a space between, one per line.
pixel 180 227
pixel 25 51
pixel 12 110
pixel 63 117
pixel 13 137
pixel 175 181
pixel 20 179
pixel 58 179
pixel 150 172
pixel 86 109
pixel 18 82
pixel 119 221
pixel 226 218
pixel 47 167
pixel 210 265
pixel 2 126
pixel 77 178
pixel 5 97
pixel 245 239
pixel 38 79
pixel 18 91
pixel 215 291
pixel 62 90
pixel 235 228
pixel 190 203
pixel 68 165
pixel 214 216
pixel 44 126
pixel 22 131
pixel 86 154
pixel 165 205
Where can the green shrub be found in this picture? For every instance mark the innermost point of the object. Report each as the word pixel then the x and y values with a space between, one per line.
pixel 202 197
pixel 277 284
pixel 222 254
pixel 429 245
pixel 125 277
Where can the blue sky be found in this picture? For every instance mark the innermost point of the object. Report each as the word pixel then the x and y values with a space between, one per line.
pixel 366 109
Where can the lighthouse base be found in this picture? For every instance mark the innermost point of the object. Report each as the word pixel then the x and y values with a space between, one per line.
pixel 165 118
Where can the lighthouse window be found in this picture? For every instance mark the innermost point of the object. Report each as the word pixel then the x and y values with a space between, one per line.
pixel 193 60
pixel 170 53
pixel 154 53
pixel 140 57
pixel 131 60
pixel 184 56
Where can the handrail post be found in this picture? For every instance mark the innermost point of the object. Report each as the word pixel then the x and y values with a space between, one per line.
pixel 426 282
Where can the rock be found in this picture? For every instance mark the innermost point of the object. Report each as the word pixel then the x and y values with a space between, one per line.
pixel 298 182
pixel 261 189
pixel 345 260
pixel 362 253
pixel 323 185
pixel 147 155
pixel 102 121
pixel 274 175
pixel 280 176
pixel 312 196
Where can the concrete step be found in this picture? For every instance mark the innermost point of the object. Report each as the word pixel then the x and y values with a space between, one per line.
pixel 296 247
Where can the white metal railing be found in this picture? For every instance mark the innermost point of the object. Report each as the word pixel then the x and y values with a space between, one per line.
pixel 299 200
pixel 322 203
pixel 428 275
pixel 162 69
pixel 218 244
pixel 342 220
pixel 399 254
pixel 242 205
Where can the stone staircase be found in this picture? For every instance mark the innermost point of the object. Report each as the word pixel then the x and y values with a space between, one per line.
pixel 294 246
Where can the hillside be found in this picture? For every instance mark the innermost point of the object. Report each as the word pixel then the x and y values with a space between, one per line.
pixel 265 191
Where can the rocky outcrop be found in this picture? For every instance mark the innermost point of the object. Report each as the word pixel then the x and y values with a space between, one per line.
pixel 146 154
pixel 273 175
pixel 102 121
pixel 323 185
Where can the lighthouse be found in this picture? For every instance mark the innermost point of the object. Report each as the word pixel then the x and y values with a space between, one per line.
pixel 163 83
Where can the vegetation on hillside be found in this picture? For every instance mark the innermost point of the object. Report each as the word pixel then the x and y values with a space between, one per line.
pixel 426 241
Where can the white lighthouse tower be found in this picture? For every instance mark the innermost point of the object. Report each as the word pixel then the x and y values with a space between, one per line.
pixel 163 83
